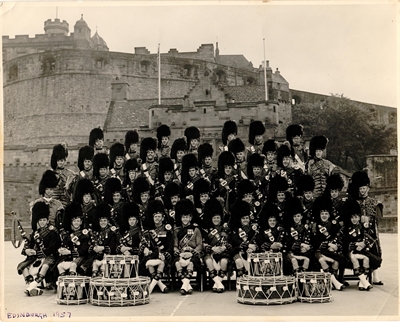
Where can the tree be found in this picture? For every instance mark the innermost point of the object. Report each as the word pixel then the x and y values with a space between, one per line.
pixel 352 131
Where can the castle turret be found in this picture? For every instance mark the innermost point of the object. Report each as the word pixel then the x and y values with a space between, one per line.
pixel 56 27
pixel 98 42
pixel 81 31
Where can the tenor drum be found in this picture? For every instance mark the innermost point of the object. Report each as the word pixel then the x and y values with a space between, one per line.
pixel 265 264
pixel 120 266
pixel 119 292
pixel 314 287
pixel 266 290
pixel 73 290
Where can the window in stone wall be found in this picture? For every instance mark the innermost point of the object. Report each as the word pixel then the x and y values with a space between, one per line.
pixel 188 70
pixel 144 66
pixel 49 64
pixel 13 73
pixel 220 76
pixel 393 118
pixel 250 81
pixel 99 63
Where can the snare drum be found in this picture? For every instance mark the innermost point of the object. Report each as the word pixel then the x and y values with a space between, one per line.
pixel 265 264
pixel 119 292
pixel 120 266
pixel 314 287
pixel 266 290
pixel 73 290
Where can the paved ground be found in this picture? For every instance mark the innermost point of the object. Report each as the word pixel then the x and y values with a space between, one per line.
pixel 381 303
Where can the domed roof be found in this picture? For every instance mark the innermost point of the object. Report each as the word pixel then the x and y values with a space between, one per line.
pixel 97 40
pixel 81 23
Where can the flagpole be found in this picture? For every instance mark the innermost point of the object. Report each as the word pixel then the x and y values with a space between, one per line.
pixel 159 75
pixel 265 74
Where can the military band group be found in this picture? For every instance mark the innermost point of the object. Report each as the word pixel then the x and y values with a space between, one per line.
pixel 167 203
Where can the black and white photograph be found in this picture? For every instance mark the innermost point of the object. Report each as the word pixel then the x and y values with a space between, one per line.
pixel 199 160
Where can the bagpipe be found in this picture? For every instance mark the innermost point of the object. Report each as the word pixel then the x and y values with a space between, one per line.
pixel 17 242
pixel 240 171
pixel 204 175
pixel 279 239
pixel 190 185
pixel 369 242
pixel 245 241
pixel 38 239
pixel 146 173
pixel 306 238
pixel 245 244
pixel 226 182
pixel 177 172
pixel 115 174
pixel 186 253
pixel 99 185
pixel 159 190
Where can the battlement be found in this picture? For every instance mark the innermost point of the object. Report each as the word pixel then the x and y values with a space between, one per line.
pixel 55 21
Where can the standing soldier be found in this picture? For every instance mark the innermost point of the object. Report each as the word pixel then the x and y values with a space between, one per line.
pixel 256 140
pixel 113 197
pixel 96 140
pixel 270 166
pixel 141 195
pixel 86 197
pixel 305 191
pixel 165 175
pixel 285 167
pixel 132 171
pixel 229 132
pixel 334 185
pixel 101 165
pixel 227 181
pixel 236 146
pixel 256 176
pixel 189 174
pixel 46 185
pixel 163 134
pixel 172 195
pixel 148 155
pixel 117 161
pixel 85 162
pixel 192 135
pixel 131 145
pixel 207 171
pixel 318 167
pixel 294 135
pixel 64 189
pixel 371 210
pixel 178 150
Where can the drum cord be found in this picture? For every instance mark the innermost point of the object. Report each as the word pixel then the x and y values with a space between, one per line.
pixel 14 226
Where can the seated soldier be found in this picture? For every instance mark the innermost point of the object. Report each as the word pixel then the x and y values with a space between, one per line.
pixel 188 245
pixel 103 239
pixel 160 239
pixel 43 245
pixel 216 243
pixel 243 236
pixel 75 241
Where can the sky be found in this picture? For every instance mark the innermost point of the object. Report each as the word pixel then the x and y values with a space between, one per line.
pixel 348 49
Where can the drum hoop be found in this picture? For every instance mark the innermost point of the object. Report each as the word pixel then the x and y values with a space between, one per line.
pixel 268 281
pixel 122 282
